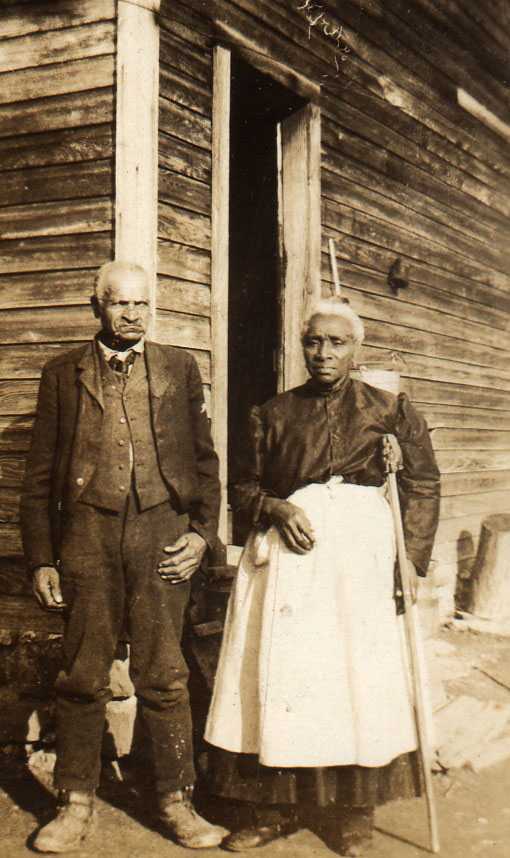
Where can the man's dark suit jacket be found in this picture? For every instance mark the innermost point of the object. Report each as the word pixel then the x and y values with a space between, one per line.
pixel 67 436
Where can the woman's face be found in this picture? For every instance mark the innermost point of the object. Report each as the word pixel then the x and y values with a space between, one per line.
pixel 328 348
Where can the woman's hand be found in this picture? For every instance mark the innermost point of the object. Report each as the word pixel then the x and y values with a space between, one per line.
pixel 292 523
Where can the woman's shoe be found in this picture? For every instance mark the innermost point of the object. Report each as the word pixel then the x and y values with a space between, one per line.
pixel 357 831
pixel 270 825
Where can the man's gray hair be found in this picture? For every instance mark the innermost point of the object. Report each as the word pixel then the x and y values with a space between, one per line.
pixel 336 307
pixel 101 282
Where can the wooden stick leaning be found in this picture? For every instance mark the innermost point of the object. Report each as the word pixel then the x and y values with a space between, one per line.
pixel 393 462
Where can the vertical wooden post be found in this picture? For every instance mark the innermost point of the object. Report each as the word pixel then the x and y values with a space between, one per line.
pixel 219 265
pixel 300 224
pixel 136 136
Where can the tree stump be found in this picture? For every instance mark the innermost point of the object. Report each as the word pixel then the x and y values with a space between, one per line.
pixel 491 572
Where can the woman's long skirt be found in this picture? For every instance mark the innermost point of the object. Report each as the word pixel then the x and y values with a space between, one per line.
pixel 312 671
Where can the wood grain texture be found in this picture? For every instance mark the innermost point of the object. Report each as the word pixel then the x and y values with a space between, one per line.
pixel 63 182
pixel 44 81
pixel 57 46
pixel 184 226
pixel 27 360
pixel 61 111
pixel 42 16
pixel 55 253
pixel 56 218
pixel 57 147
pixel 186 263
pixel 183 296
pixel 187 193
pixel 184 158
pixel 48 325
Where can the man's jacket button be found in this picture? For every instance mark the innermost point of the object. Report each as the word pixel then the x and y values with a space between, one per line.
pixel 79 481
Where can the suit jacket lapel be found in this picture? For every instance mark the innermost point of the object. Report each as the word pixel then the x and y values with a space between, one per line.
pixel 158 373
pixel 90 373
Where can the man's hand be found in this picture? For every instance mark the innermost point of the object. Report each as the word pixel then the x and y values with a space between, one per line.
pixel 292 523
pixel 185 557
pixel 46 588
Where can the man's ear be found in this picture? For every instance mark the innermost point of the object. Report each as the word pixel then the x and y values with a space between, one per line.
pixel 94 303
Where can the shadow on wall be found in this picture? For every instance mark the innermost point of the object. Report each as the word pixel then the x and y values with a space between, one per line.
pixel 466 556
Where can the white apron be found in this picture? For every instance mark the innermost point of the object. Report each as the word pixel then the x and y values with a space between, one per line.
pixel 312 670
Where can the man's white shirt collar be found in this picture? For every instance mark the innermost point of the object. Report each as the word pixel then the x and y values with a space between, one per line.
pixel 109 353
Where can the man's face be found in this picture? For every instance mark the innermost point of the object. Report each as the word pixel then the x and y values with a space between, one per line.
pixel 125 308
pixel 328 348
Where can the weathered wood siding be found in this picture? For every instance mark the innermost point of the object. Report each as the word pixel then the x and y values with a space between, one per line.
pixel 184 193
pixel 56 168
pixel 405 172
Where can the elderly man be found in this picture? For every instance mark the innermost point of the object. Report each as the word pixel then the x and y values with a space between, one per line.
pixel 311 699
pixel 119 507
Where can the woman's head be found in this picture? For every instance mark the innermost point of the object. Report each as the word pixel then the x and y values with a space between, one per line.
pixel 332 336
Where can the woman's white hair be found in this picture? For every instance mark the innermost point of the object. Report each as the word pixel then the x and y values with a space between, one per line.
pixel 336 307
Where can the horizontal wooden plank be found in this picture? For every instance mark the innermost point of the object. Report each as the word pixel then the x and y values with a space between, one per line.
pixel 43 288
pixel 28 359
pixel 433 369
pixel 62 182
pixel 373 230
pixel 15 434
pixel 18 396
pixel 422 390
pixel 463 417
pixel 182 329
pixel 364 254
pixel 184 124
pixel 183 297
pixel 384 334
pixel 186 263
pixel 56 147
pixel 60 111
pixel 9 505
pixel 483 503
pixel 451 529
pixel 180 89
pixel 56 218
pixel 185 192
pixel 353 193
pixel 45 81
pixel 470 439
pixel 12 469
pixel 22 613
pixel 183 226
pixel 184 158
pixel 175 53
pixel 41 16
pixel 389 307
pixel 14 580
pixel 451 461
pixel 55 253
pixel 65 324
pixel 58 46
pixel 476 481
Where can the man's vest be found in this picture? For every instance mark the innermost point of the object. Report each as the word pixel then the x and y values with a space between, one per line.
pixel 128 451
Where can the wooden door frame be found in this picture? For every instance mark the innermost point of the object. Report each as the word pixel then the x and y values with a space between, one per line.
pixel 298 204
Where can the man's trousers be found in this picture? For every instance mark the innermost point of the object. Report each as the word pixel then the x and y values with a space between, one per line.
pixel 110 583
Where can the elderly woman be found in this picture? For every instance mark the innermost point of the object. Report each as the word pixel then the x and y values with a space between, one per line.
pixel 312 699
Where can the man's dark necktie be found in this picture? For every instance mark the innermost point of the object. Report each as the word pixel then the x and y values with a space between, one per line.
pixel 122 366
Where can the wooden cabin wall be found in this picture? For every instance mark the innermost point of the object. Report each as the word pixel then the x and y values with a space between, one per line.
pixel 183 297
pixel 406 173
pixel 56 184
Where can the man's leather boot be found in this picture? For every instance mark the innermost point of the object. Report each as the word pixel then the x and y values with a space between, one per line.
pixel 72 824
pixel 184 824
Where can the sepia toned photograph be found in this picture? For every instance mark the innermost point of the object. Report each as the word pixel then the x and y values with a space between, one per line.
pixel 255 428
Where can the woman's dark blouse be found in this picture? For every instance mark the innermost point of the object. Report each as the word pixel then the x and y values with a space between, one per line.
pixel 306 436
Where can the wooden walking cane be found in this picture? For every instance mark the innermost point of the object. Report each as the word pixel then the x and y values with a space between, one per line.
pixel 393 462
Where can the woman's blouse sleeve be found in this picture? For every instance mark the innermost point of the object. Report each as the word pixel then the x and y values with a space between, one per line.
pixel 419 484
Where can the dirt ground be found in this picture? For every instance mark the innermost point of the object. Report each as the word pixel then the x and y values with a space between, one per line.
pixel 473 808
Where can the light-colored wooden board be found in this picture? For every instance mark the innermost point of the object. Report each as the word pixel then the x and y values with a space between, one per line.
pixel 180 89
pixel 483 503
pixel 184 227
pixel 183 297
pixel 18 396
pixel 463 417
pixel 12 469
pixel 46 288
pixel 45 81
pixel 92 143
pixel 184 124
pixel 184 158
pixel 470 439
pixel 437 393
pixel 476 481
pixel 71 324
pixel 55 253
pixel 39 17
pixel 27 360
pixel 185 263
pixel 58 46
pixel 56 218
pixel 451 461
pixel 60 111
pixel 182 329
pixel 9 504
pixel 62 182
pixel 175 54
pixel 15 434
pixel 179 190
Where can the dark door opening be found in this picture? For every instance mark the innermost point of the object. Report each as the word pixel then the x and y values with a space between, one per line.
pixel 258 104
